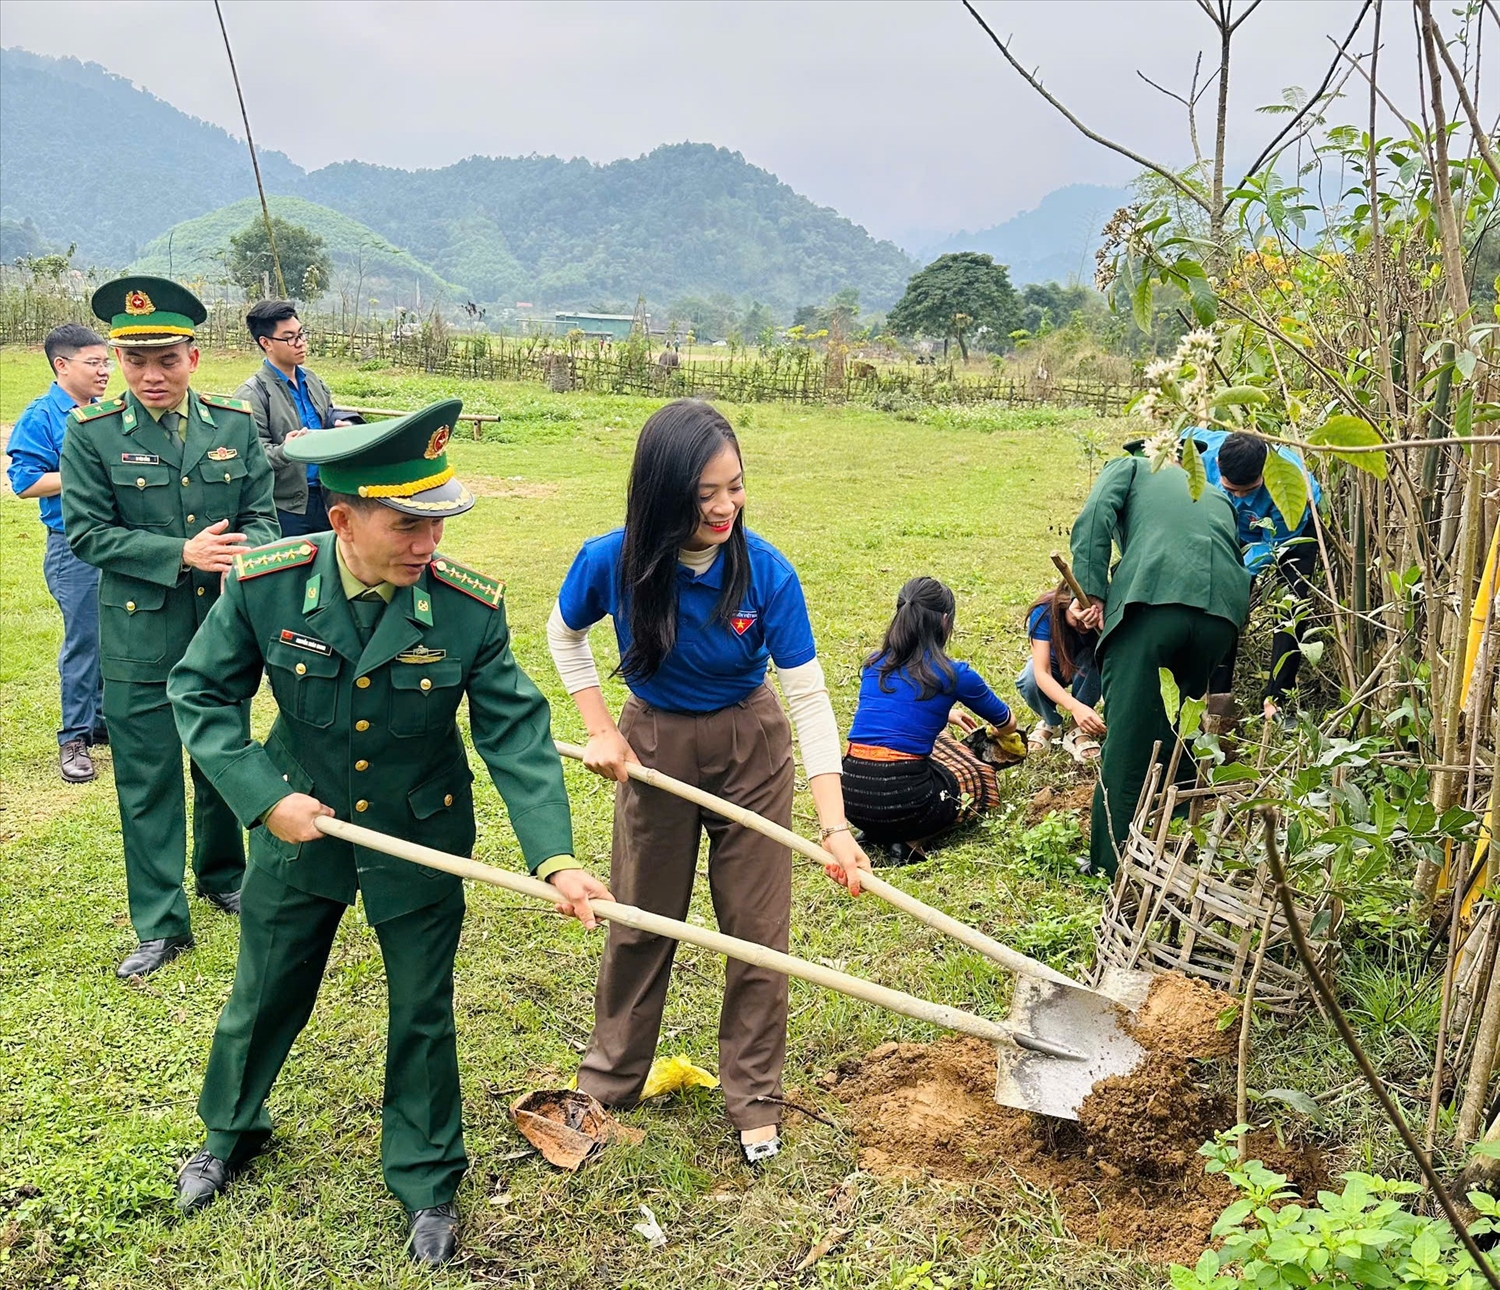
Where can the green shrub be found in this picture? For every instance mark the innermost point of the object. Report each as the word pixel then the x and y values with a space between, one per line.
pixel 1362 1236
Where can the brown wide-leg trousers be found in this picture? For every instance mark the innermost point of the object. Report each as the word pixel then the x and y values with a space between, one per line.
pixel 742 753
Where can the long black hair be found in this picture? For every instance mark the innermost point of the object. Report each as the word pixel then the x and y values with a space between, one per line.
pixel 917 638
pixel 1067 640
pixel 662 512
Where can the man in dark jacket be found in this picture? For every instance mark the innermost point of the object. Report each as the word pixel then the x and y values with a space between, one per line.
pixel 1177 601
pixel 287 401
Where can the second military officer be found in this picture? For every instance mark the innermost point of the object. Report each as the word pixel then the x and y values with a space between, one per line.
pixel 370 640
pixel 160 488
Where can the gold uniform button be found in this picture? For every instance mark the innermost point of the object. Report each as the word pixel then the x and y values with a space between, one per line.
pixel 130 606
pixel 186 481
pixel 361 806
pixel 200 592
pixel 140 483
pixel 448 799
pixel 361 764
pixel 300 669
pixel 363 683
pixel 191 518
pixel 441 566
pixel 361 725
pixel 426 684
pixel 227 476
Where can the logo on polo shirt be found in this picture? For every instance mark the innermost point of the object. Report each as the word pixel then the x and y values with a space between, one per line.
pixel 742 621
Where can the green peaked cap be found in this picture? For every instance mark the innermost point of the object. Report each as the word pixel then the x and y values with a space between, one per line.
pixel 402 463
pixel 147 311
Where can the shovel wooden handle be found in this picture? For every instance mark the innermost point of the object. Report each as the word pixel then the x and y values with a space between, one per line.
pixel 905 902
pixel 1066 569
pixel 907 1005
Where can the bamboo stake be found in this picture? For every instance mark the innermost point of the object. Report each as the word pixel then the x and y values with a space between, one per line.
pixel 937 1014
pixel 1241 1083
pixel 906 903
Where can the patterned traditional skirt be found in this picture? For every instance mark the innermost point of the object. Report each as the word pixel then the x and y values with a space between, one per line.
pixel 898 797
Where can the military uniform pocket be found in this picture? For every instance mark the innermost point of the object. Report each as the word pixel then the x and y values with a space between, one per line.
pixel 222 481
pixel 132 628
pixel 306 683
pixel 144 495
pixel 424 696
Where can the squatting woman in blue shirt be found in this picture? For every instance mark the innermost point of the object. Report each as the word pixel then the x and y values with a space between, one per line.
pixel 700 607
pixel 905 780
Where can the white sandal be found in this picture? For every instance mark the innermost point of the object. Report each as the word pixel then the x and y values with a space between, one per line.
pixel 1040 739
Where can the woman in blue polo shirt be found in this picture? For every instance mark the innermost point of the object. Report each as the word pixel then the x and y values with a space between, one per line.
pixel 700 606
pixel 905 779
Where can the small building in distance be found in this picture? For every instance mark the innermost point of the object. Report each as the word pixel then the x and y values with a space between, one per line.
pixel 596 326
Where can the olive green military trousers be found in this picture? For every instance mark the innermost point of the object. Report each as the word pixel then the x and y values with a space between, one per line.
pixel 285 937
pixel 1187 642
pixel 153 812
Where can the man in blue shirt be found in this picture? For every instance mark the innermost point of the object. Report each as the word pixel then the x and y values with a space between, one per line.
pixel 287 400
pixel 80 365
pixel 1235 463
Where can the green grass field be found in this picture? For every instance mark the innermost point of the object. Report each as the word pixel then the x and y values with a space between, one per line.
pixel 98 1081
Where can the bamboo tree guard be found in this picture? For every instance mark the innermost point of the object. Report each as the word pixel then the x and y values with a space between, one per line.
pixel 1201 910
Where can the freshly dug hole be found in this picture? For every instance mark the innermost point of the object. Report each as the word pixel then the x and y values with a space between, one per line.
pixel 1127 1173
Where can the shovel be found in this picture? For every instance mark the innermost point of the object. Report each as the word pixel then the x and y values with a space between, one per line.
pixel 1002 1034
pixel 1046 1004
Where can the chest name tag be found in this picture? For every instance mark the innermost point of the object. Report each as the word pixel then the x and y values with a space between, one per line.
pixel 140 459
pixel 299 641
pixel 743 621
pixel 422 655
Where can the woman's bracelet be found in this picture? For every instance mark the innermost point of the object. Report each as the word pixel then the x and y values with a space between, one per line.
pixel 829 831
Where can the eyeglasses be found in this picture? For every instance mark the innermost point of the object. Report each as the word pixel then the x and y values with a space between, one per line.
pixel 98 364
pixel 296 338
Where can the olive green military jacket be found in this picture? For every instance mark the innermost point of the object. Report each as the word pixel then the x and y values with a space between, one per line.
pixel 132 495
pixel 1173 550
pixel 368 730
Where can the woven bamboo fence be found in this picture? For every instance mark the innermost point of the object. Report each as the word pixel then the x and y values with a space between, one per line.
pixel 1193 895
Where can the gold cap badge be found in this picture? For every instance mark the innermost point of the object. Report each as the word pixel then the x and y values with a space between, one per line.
pixel 138 302
pixel 438 442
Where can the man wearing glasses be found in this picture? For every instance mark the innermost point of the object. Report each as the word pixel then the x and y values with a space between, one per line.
pixel 80 367
pixel 287 400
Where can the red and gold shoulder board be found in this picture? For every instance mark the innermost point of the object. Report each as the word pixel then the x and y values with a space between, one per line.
pixel 488 591
pixel 273 557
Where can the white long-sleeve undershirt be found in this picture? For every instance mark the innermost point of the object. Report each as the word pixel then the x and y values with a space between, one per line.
pixel 804 689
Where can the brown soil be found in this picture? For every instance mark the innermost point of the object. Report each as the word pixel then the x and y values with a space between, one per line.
pixel 1127 1173
pixel 527 489
pixel 1077 800
pixel 1182 1017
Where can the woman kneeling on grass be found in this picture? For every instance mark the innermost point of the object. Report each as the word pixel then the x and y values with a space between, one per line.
pixel 905 780
pixel 1062 656
pixel 700 606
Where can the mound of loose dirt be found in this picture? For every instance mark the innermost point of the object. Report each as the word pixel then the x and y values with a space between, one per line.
pixel 1127 1173
pixel 1182 1017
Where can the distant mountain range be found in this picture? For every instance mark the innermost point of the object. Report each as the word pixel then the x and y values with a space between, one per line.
pixel 684 220
pixel 1053 243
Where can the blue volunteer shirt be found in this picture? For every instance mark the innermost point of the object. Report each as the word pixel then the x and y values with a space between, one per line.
pixel 712 665
pixel 35 448
pixel 904 722
pixel 1262 528
pixel 305 409
pixel 1039 628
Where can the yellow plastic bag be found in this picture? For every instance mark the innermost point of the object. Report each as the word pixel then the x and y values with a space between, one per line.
pixel 668 1074
pixel 1012 744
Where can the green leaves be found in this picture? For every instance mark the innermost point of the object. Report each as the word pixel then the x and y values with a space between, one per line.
pixel 1351 432
pixel 1241 394
pixel 1171 696
pixel 1287 484
pixel 1197 476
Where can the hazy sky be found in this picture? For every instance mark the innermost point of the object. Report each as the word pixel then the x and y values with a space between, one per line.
pixel 899 114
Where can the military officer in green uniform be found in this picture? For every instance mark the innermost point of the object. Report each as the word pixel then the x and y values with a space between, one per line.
pixel 160 488
pixel 370 639
pixel 1177 601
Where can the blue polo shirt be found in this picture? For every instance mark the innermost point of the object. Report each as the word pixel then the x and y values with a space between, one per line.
pixel 1262 528
pixel 899 719
pixel 712 665
pixel 35 448
pixel 305 409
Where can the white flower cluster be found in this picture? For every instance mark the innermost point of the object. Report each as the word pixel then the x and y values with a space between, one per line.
pixel 1182 383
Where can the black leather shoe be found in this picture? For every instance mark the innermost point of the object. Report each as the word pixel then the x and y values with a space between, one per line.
pixel 201 1181
pixel 74 761
pixel 228 901
pixel 434 1235
pixel 150 955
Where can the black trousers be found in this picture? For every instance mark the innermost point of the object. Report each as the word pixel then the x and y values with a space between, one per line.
pixel 1293 567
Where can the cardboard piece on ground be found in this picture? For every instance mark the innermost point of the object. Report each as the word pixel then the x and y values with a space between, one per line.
pixel 567 1126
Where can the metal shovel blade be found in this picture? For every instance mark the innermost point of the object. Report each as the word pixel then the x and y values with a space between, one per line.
pixel 1086 1021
